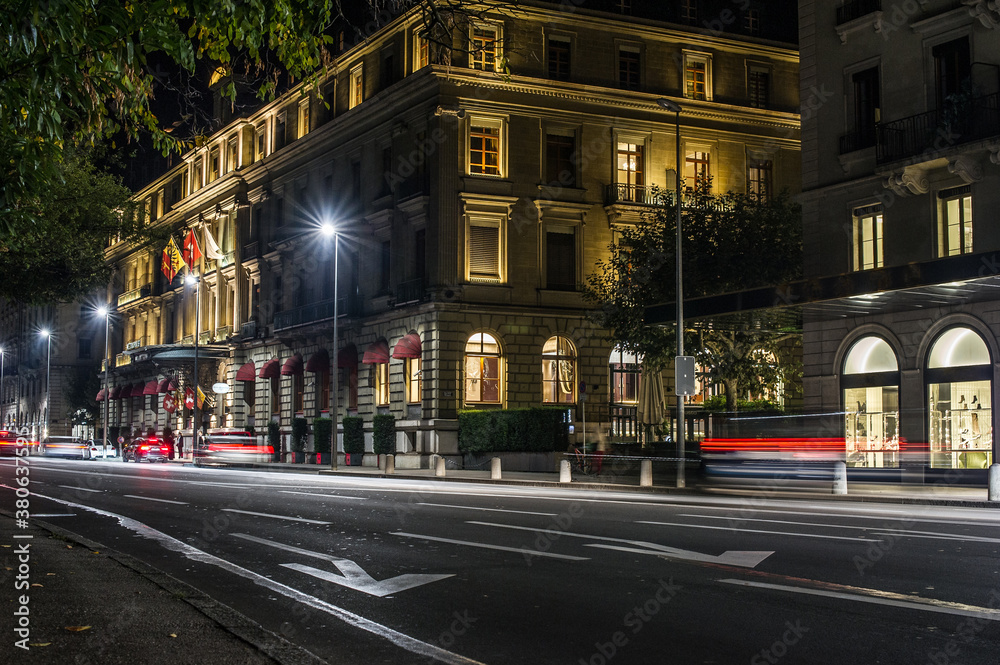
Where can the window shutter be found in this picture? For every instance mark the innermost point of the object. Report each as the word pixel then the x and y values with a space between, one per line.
pixel 484 253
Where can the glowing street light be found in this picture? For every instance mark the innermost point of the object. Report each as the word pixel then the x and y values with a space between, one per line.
pixel 192 279
pixel 328 230
pixel 105 311
pixel 44 332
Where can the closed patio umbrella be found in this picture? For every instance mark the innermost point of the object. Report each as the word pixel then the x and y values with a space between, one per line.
pixel 652 401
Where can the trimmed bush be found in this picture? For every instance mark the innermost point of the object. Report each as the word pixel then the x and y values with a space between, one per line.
pixel 300 430
pixel 538 430
pixel 354 435
pixel 384 434
pixel 323 431
pixel 274 436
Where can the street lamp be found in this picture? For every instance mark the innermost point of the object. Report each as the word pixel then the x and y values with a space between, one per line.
pixel 48 366
pixel 191 278
pixel 2 415
pixel 678 389
pixel 328 230
pixel 105 311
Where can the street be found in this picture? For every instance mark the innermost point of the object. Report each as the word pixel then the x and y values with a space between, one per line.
pixel 404 571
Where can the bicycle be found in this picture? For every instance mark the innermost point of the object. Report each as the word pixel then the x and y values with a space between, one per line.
pixel 589 465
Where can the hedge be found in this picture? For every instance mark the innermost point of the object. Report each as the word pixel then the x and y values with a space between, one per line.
pixel 323 431
pixel 354 435
pixel 300 430
pixel 384 434
pixel 274 436
pixel 538 430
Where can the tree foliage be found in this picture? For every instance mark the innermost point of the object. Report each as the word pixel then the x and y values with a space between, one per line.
pixel 731 241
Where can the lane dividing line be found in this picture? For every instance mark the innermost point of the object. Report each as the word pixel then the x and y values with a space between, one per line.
pixel 518 550
pixel 53 514
pixel 326 496
pixel 492 510
pixel 773 533
pixel 277 517
pixel 884 531
pixel 401 640
pixel 81 489
pixel 883 598
pixel 149 498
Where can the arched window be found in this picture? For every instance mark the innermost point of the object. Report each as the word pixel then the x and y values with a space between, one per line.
pixel 870 384
pixel 959 405
pixel 482 369
pixel 558 371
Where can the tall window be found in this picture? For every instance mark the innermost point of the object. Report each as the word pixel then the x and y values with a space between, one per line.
pixel 482 369
pixel 870 383
pixel 697 76
pixel 485 47
pixel 303 118
pixel 484 148
pixel 760 173
pixel 560 162
pixel 276 394
pixel 631 167
pixel 867 238
pixel 759 87
pixel 558 371
pixel 215 164
pixel 559 62
pixel 298 392
pixel 955 229
pixel 697 170
pixel 232 155
pixel 414 389
pixel 866 105
pixel 385 266
pixel 484 251
pixel 560 259
pixel 751 21
pixel 381 371
pixel 952 69
pixel 357 90
pixel 689 11
pixel 628 68
pixel 260 141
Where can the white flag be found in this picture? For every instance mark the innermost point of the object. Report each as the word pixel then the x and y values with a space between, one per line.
pixel 211 247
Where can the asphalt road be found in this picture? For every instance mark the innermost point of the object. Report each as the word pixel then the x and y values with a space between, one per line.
pixel 401 571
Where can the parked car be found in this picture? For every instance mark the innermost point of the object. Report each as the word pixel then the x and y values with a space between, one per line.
pixel 231 446
pixel 99 451
pixel 65 446
pixel 149 448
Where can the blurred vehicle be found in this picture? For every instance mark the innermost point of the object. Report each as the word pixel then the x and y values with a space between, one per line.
pixel 231 446
pixel 99 451
pixel 8 442
pixel 65 446
pixel 149 448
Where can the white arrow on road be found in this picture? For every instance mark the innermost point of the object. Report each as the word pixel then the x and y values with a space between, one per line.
pixel 353 577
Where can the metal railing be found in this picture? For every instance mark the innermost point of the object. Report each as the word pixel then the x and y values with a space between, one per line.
pixel 410 291
pixel 857 141
pixel 857 9
pixel 315 312
pixel 248 330
pixel 638 194
pixel 135 294
pixel 251 251
pixel 965 120
pixel 123 359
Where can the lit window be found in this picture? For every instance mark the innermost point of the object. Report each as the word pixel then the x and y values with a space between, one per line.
pixel 232 155
pixel 414 390
pixel 484 51
pixel 760 173
pixel 214 165
pixel 421 52
pixel 698 171
pixel 357 86
pixel 260 141
pixel 381 371
pixel 631 168
pixel 697 76
pixel 955 229
pixel 303 120
pixel 558 371
pixel 867 238
pixel 482 369
pixel 484 148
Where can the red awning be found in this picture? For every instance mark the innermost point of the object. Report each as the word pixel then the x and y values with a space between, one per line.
pixel 100 395
pixel 151 387
pixel 318 362
pixel 348 356
pixel 292 366
pixel 270 369
pixel 116 392
pixel 247 372
pixel 138 389
pixel 164 386
pixel 377 353
pixel 407 347
pixel 125 393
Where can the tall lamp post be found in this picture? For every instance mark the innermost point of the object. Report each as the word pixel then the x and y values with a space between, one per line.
pixel 679 390
pixel 329 230
pixel 106 313
pixel 191 278
pixel 48 366
pixel 2 415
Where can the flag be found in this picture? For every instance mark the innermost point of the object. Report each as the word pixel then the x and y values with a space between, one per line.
pixel 188 398
pixel 201 398
pixel 172 261
pixel 212 250
pixel 192 252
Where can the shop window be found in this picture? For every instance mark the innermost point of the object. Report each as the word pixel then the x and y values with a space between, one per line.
pixel 955 227
pixel 867 238
pixel 870 384
pixel 558 371
pixel 624 371
pixel 482 369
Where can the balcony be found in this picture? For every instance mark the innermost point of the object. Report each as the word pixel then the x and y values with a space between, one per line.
pixel 248 330
pixel 411 291
pixel 315 312
pixel 635 194
pixel 123 360
pixel 135 294
pixel 135 344
pixel 857 9
pixel 227 259
pixel 934 132
pixel 857 141
pixel 251 251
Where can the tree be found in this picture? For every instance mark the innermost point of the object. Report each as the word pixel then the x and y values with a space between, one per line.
pixel 732 241
pixel 82 407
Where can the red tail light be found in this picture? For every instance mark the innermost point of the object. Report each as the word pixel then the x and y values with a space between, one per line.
pixel 164 449
pixel 143 447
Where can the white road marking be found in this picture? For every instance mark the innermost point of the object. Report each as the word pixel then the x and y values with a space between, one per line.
pixel 883 598
pixel 936 536
pixel 82 489
pixel 149 498
pixel 773 533
pixel 883 515
pixel 277 517
pixel 743 558
pixel 54 515
pixel 401 640
pixel 326 496
pixel 494 510
pixel 519 550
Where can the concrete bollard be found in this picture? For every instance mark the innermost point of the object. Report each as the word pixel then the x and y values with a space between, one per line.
pixel 390 464
pixel 646 473
pixel 439 467
pixel 495 473
pixel 564 473
pixel 994 482
pixel 839 478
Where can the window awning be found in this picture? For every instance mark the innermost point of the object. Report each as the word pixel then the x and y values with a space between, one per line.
pixel 292 366
pixel 125 392
pixel 166 385
pixel 100 395
pixel 116 393
pixel 377 353
pixel 151 388
pixel 247 372
pixel 407 347
pixel 138 389
pixel 318 362
pixel 348 356
pixel 270 369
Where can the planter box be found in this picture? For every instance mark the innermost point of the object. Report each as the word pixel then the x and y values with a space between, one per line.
pixel 354 459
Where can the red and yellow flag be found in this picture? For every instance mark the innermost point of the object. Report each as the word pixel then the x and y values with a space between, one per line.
pixel 172 261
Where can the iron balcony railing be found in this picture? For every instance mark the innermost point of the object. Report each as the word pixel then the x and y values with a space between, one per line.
pixel 857 140
pixel 248 330
pixel 857 9
pixel 251 251
pixel 315 312
pixel 636 194
pixel 411 291
pixel 963 120
pixel 135 294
